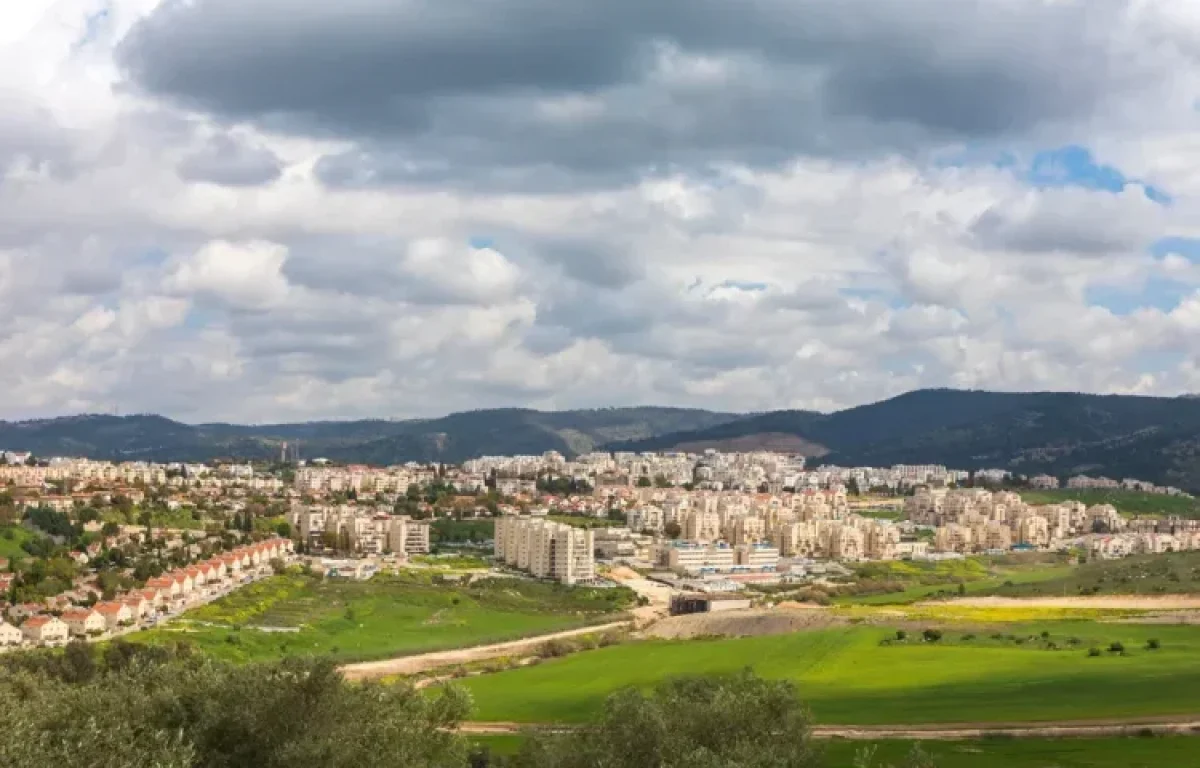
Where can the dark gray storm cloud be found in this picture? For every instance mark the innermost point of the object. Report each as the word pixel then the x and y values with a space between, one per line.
pixel 450 89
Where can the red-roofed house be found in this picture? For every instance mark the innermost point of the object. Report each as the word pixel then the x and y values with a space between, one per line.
pixel 45 630
pixel 115 615
pixel 82 622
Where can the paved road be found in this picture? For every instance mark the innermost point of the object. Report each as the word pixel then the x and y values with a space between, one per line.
pixel 411 665
pixel 1181 724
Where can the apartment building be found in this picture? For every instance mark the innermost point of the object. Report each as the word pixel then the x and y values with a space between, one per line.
pixel 546 549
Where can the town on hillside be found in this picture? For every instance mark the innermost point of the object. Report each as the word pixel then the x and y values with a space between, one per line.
pixel 95 549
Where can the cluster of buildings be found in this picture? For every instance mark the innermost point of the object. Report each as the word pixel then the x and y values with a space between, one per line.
pixel 976 520
pixel 56 621
pixel 367 530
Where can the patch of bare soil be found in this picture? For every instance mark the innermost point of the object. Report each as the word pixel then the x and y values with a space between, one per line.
pixel 745 623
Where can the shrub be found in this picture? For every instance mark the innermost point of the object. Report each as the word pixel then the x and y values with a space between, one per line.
pixel 552 649
pixel 1116 647
pixel 901 635
pixel 968 637
pixel 1045 635
pixel 1094 652
pixel 932 635
pixel 1153 644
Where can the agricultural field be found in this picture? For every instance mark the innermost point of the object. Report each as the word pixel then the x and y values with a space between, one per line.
pixel 897 582
pixel 1171 573
pixel 862 674
pixel 1163 752
pixel 1129 503
pixel 299 615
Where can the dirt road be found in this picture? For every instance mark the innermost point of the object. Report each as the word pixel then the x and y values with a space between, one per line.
pixel 1183 724
pixel 411 665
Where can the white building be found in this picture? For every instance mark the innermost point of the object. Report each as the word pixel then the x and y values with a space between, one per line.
pixel 546 549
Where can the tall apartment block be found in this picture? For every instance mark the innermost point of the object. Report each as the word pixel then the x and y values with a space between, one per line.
pixel 546 549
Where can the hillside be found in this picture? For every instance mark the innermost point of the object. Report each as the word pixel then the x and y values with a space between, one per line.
pixel 452 438
pixel 1151 438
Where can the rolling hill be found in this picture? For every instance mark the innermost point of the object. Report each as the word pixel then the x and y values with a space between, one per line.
pixel 452 438
pixel 1151 438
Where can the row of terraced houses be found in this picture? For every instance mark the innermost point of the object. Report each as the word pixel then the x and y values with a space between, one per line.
pixel 36 625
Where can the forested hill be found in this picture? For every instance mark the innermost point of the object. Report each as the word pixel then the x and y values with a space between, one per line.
pixel 452 438
pixel 1151 438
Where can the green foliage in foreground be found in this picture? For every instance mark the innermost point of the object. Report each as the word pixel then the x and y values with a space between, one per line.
pixel 197 713
pixel 298 615
pixel 138 707
pixel 1128 503
pixel 734 721
pixel 848 676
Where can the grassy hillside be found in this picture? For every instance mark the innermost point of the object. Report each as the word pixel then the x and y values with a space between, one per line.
pixel 848 676
pixel 11 539
pixel 295 615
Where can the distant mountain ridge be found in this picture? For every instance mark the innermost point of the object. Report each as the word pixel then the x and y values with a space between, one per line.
pixel 1151 438
pixel 1061 433
pixel 452 438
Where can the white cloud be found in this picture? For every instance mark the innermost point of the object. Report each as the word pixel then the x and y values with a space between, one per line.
pixel 245 276
pixel 709 219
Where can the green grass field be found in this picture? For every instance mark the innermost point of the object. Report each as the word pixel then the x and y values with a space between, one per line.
pixel 848 677
pixel 1171 573
pixel 1166 752
pixel 1181 751
pixel 1127 502
pixel 453 562
pixel 923 580
pixel 383 617
pixel 11 539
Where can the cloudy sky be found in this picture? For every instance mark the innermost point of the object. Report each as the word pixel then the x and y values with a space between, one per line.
pixel 283 209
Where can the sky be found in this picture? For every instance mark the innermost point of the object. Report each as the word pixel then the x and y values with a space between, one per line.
pixel 285 210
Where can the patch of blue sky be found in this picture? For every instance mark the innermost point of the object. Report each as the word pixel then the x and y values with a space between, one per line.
pixel 479 242
pixel 1072 165
pixel 197 319
pixel 879 295
pixel 1155 292
pixel 743 285
pixel 93 27
pixel 1188 247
